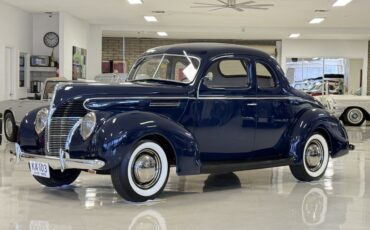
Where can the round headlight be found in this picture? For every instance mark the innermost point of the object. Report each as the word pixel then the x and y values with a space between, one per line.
pixel 41 120
pixel 88 125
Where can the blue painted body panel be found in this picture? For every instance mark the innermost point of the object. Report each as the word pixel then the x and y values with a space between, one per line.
pixel 205 127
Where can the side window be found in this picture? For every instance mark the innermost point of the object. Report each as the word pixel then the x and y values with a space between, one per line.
pixel 266 79
pixel 227 73
pixel 179 75
pixel 162 69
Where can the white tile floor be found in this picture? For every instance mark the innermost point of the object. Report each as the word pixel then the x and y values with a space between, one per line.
pixel 258 199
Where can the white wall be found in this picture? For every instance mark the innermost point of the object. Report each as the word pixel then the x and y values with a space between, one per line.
pixel 16 32
pixel 94 51
pixel 74 31
pixel 356 49
pixel 43 23
pixel 355 66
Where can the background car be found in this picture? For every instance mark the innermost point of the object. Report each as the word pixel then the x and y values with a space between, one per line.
pixel 351 109
pixel 14 110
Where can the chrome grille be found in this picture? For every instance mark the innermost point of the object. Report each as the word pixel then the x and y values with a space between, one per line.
pixel 57 133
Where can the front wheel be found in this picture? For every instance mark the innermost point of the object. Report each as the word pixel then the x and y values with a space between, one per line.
pixel 10 128
pixel 315 159
pixel 142 174
pixel 58 178
pixel 354 117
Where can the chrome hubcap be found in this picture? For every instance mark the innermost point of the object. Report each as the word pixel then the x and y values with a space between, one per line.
pixel 314 155
pixel 146 168
pixel 9 127
pixel 355 116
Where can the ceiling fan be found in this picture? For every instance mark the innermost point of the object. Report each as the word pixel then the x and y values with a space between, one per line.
pixel 232 4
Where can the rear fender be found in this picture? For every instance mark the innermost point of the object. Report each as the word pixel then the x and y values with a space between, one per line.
pixel 118 135
pixel 318 120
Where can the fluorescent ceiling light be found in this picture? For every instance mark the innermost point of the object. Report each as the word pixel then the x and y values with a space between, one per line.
pixel 317 20
pixel 341 2
pixel 135 2
pixel 150 18
pixel 294 35
pixel 162 34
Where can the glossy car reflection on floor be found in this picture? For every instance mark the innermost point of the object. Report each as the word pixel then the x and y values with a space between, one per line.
pixel 258 199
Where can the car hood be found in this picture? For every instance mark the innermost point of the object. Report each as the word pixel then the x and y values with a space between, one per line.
pixel 70 91
pixel 346 97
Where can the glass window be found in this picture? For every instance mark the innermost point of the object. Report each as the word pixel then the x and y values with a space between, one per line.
pixel 177 68
pixel 227 74
pixel 265 78
pixel 317 76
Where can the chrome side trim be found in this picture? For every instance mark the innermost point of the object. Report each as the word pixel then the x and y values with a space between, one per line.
pixel 203 97
pixel 164 104
pixel 56 162
pixel 130 98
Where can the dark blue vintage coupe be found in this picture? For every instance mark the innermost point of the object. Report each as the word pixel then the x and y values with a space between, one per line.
pixel 202 107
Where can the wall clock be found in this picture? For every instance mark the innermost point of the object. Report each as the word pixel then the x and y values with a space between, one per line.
pixel 51 39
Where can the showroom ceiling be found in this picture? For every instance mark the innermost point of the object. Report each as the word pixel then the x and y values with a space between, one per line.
pixel 180 20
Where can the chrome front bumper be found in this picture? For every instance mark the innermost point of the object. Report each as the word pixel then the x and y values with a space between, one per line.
pixel 62 162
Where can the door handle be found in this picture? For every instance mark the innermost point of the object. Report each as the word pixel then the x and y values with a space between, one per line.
pixel 252 104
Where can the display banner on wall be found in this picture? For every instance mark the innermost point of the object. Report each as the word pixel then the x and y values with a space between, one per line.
pixel 79 63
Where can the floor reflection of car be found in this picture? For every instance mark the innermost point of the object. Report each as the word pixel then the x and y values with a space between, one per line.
pixel 306 205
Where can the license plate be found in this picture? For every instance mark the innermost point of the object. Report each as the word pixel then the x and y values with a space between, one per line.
pixel 39 169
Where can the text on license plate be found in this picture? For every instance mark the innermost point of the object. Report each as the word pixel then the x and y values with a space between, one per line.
pixel 39 169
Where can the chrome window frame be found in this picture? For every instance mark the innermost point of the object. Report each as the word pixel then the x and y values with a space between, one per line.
pixel 168 54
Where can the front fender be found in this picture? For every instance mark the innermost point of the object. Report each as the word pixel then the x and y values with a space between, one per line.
pixel 118 135
pixel 27 138
pixel 318 120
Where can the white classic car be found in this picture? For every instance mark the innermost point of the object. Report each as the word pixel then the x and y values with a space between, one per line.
pixel 14 110
pixel 351 109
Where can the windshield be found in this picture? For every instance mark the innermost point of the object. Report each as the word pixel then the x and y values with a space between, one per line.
pixel 166 67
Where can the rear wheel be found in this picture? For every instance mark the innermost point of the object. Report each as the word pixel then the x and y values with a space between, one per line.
pixel 354 116
pixel 10 128
pixel 315 159
pixel 58 178
pixel 142 174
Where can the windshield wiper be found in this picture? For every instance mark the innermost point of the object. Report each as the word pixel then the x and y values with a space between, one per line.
pixel 156 80
pixel 146 79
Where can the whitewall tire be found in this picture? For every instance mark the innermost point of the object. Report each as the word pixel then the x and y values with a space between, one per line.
pixel 315 158
pixel 142 174
pixel 10 127
pixel 354 117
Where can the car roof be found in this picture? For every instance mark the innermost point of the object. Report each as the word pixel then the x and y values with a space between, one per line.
pixel 56 79
pixel 206 50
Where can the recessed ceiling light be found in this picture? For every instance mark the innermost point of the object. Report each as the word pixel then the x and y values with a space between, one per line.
pixel 294 35
pixel 135 2
pixel 162 34
pixel 341 2
pixel 150 18
pixel 317 20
